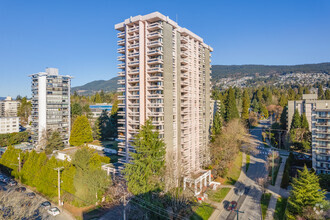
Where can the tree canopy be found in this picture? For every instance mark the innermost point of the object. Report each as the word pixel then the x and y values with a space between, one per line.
pixel 81 131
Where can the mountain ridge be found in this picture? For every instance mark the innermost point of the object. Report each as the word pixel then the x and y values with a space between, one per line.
pixel 219 72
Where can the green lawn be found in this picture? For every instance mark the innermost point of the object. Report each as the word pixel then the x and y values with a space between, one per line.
pixel 247 162
pixel 280 208
pixel 264 203
pixel 218 195
pixel 234 171
pixel 202 212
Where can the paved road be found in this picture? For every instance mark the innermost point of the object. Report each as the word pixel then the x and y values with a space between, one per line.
pixel 17 205
pixel 250 201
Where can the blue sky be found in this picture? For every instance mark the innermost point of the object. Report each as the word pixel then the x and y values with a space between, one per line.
pixel 78 37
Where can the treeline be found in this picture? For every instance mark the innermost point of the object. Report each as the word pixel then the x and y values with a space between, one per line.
pixel 83 181
pixel 98 97
pixel 13 138
pixel 222 71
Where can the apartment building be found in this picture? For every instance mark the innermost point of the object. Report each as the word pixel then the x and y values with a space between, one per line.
pixel 318 115
pixel 9 107
pixel 50 105
pixel 9 125
pixel 165 77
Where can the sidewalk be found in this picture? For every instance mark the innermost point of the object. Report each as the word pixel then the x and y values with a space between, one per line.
pixel 276 191
pixel 219 206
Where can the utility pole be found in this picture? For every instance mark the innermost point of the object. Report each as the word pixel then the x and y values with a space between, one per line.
pixel 124 214
pixel 59 183
pixel 19 165
pixel 273 168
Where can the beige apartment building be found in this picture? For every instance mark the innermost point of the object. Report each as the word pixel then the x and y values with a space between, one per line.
pixel 9 125
pixel 318 115
pixel 165 77
pixel 9 107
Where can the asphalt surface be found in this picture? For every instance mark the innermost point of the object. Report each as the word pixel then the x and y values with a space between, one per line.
pixel 249 202
pixel 17 205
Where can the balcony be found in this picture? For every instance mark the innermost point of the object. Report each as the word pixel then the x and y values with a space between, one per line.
pixel 155 79
pixel 184 39
pixel 122 153
pixel 135 37
pixel 136 79
pixel 121 66
pixel 133 29
pixel 184 61
pixel 154 114
pixel 134 71
pixel 121 34
pixel 121 42
pixel 133 46
pixel 121 82
pixel 121 50
pixel 326 117
pixel 184 76
pixel 121 89
pixel 155 105
pixel 134 113
pixel 121 121
pixel 134 63
pixel 184 69
pixel 155 96
pixel 121 97
pixel 154 52
pixel 133 105
pixel 121 113
pixel 121 58
pixel 131 55
pixel 322 131
pixel 323 124
pixel 155 70
pixel 121 73
pixel 156 87
pixel 155 26
pixel 154 35
pixel 155 61
pixel 133 96
pixel 322 139
pixel 155 43
pixel 133 88
pixel 183 47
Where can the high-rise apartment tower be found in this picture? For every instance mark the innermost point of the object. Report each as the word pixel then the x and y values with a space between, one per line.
pixel 165 77
pixel 50 105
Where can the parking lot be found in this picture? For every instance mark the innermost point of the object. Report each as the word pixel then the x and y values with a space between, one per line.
pixel 16 204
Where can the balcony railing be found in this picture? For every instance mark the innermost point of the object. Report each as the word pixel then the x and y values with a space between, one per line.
pixel 136 79
pixel 121 73
pixel 121 50
pixel 155 61
pixel 133 46
pixel 121 66
pixel 133 54
pixel 155 69
pixel 155 43
pixel 121 34
pixel 121 42
pixel 121 58
pixel 155 26
pixel 134 63
pixel 133 29
pixel 155 78
pixel 153 35
pixel 154 52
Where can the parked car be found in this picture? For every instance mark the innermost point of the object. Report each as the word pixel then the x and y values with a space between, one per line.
pixel 227 205
pixel 45 204
pixel 233 205
pixel 31 195
pixel 12 183
pixel 53 211
pixel 20 189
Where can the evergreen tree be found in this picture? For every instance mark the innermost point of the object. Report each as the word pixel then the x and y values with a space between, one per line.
pixel 98 98
pixel 306 192
pixel 96 130
pixel 81 131
pixel 230 106
pixel 76 110
pixel 283 101
pixel 283 121
pixel 304 122
pixel 29 166
pixel 102 96
pixel 264 111
pixel 259 96
pixel 47 181
pixel 144 174
pixel 217 124
pixel 245 106
pixel 291 94
pixel 327 94
pixel 296 120
pixel 320 92
pixel 87 111
pixel 54 142
pixel 255 105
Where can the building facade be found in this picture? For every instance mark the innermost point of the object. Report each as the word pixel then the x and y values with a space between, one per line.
pixel 9 107
pixel 165 77
pixel 50 105
pixel 9 125
pixel 318 115
pixel 97 109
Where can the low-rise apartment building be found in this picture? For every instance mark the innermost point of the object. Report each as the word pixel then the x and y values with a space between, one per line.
pixel 9 107
pixel 9 125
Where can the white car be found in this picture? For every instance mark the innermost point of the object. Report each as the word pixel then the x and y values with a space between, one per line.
pixel 53 211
